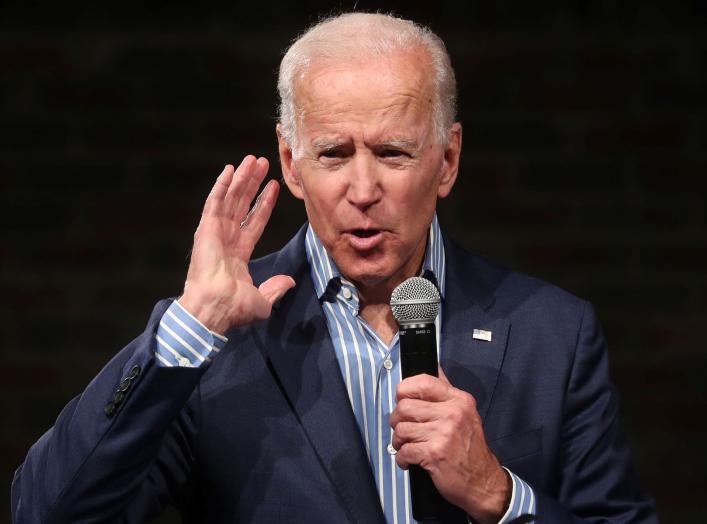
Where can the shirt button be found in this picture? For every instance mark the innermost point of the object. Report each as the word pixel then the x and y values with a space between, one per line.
pixel 388 364
pixel 391 450
pixel 184 362
pixel 347 293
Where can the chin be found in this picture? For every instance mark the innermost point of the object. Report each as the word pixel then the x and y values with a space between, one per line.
pixel 370 280
pixel 363 275
pixel 365 272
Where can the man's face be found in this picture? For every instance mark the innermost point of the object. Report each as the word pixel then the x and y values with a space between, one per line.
pixel 368 165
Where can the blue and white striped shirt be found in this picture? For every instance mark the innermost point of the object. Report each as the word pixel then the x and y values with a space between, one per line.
pixel 184 341
pixel 369 367
pixel 371 372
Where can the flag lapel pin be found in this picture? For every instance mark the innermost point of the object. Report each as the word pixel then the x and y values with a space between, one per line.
pixel 482 334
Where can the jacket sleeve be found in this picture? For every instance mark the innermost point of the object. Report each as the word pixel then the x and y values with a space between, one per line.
pixel 118 451
pixel 597 482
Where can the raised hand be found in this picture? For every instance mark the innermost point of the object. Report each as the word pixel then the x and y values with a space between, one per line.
pixel 219 290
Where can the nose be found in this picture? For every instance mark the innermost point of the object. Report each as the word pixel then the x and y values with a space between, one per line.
pixel 364 185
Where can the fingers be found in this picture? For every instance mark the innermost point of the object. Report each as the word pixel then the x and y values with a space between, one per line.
pixel 424 387
pixel 215 199
pixel 410 432
pixel 411 453
pixel 274 288
pixel 244 185
pixel 253 225
pixel 234 190
pixel 414 410
pixel 259 214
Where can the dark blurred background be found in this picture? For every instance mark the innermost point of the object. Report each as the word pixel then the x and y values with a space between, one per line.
pixel 584 164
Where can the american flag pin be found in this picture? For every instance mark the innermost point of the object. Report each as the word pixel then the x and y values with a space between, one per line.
pixel 482 334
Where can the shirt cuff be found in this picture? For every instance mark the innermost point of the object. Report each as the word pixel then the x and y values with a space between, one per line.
pixel 522 502
pixel 183 341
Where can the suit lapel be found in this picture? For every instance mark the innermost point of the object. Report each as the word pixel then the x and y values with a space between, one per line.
pixel 303 359
pixel 469 363
pixel 299 350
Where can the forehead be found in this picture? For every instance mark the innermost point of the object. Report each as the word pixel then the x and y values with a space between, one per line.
pixel 395 91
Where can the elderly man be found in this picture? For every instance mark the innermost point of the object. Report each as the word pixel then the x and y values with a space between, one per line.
pixel 271 390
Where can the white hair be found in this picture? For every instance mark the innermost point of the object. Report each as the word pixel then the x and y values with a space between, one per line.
pixel 355 35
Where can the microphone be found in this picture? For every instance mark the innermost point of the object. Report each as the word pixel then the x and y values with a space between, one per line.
pixel 415 304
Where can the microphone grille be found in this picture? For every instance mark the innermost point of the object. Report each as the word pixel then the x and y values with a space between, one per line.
pixel 415 301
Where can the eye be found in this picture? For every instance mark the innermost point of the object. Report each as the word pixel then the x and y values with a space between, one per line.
pixel 333 153
pixel 390 153
pixel 393 153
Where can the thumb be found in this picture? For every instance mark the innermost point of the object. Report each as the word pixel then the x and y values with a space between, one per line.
pixel 274 288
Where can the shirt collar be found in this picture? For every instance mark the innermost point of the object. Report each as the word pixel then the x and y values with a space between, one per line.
pixel 324 269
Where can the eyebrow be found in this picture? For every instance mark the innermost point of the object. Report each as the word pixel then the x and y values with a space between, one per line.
pixel 327 143
pixel 400 143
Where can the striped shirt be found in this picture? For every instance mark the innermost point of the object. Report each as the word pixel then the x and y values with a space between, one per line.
pixel 371 372
pixel 369 367
pixel 184 341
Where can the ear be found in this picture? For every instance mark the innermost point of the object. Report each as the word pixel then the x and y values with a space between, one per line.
pixel 450 166
pixel 287 163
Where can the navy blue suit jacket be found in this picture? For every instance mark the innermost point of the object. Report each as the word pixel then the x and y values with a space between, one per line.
pixel 266 432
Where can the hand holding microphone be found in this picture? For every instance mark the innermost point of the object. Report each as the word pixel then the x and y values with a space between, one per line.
pixel 437 429
pixel 415 305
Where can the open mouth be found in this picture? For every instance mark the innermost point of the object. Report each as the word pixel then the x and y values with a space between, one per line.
pixel 364 239
pixel 364 233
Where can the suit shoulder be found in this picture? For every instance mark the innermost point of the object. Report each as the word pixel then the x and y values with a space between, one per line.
pixel 510 289
pixel 536 290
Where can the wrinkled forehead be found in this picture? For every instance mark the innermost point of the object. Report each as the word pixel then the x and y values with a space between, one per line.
pixel 392 88
pixel 416 59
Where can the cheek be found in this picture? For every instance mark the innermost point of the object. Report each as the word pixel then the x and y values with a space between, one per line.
pixel 321 200
pixel 319 193
pixel 417 195
pixel 415 205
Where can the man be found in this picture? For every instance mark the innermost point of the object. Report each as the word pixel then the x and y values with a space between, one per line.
pixel 271 390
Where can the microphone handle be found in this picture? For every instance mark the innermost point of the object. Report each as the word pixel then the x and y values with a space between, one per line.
pixel 418 349
pixel 418 354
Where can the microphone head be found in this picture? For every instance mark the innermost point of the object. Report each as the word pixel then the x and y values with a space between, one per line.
pixel 415 301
